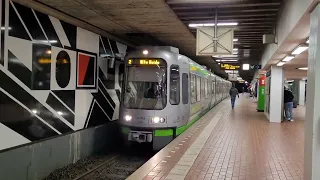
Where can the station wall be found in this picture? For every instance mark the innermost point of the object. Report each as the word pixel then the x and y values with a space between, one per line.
pixel 53 80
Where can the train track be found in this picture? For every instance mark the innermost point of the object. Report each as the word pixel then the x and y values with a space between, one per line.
pixel 117 167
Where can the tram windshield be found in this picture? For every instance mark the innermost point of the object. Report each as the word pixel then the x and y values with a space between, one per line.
pixel 146 88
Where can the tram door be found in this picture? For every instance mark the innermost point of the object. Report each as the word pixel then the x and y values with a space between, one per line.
pixel 179 95
pixel 185 83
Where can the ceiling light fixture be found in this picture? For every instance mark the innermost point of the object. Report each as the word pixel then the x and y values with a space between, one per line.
pixel 3 28
pixel 235 49
pixel 228 24
pixel 209 24
pixel 227 60
pixel 226 56
pixel 299 49
pixel 235 40
pixel 303 68
pixel 288 58
pixel 212 24
pixel 281 63
pixel 307 41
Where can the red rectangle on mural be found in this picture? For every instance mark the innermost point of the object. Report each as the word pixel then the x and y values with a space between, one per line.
pixel 86 71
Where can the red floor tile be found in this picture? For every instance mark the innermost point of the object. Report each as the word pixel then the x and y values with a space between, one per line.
pixel 244 145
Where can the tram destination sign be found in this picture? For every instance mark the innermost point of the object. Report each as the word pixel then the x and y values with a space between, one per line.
pixel 224 66
pixel 146 62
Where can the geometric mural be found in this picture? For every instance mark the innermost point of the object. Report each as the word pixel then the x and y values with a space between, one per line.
pixel 52 79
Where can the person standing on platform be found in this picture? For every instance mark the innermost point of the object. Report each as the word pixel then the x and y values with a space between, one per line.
pixel 233 94
pixel 249 91
pixel 288 104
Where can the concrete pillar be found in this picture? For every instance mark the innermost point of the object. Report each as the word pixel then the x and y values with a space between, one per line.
pixel 276 94
pixel 312 120
pixel 302 92
pixel 296 90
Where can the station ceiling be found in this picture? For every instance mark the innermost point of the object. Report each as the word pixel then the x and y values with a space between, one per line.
pixel 160 22
pixel 254 17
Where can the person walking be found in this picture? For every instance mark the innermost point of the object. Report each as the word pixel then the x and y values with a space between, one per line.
pixel 288 104
pixel 233 94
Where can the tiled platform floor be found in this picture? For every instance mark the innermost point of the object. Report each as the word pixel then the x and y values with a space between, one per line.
pixel 242 145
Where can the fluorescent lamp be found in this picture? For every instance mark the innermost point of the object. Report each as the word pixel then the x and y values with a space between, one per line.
pixel 280 63
pixel 303 68
pixel 227 24
pixel 246 67
pixel 226 60
pixel 193 25
pixel 226 56
pixel 288 58
pixel 3 28
pixel 235 49
pixel 209 24
pixel 212 24
pixel 235 40
pixel 299 49
pixel 45 41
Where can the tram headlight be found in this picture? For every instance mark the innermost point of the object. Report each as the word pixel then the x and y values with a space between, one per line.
pixel 156 119
pixel 128 118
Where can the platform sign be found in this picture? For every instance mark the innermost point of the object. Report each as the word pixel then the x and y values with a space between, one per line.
pixel 261 93
pixel 208 44
pixel 255 67
pixel 224 66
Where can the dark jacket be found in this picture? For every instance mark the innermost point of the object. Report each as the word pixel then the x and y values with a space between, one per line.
pixel 288 96
pixel 234 92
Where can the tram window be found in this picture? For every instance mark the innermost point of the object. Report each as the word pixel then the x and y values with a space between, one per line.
pixel 193 88
pixel 185 93
pixel 206 88
pixel 213 87
pixel 209 87
pixel 198 89
pixel 201 88
pixel 145 88
pixel 174 85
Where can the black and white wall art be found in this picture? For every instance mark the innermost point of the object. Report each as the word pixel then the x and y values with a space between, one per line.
pixel 52 77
